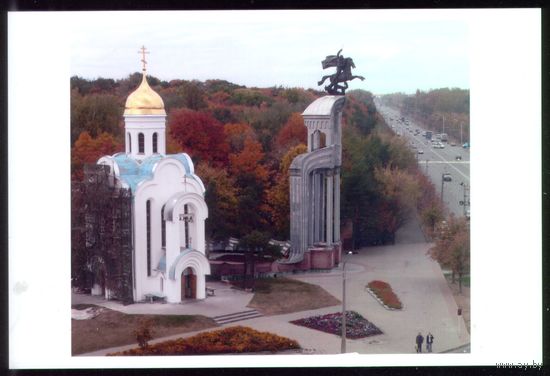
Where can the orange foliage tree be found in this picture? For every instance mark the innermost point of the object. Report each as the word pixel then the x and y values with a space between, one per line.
pixel 199 135
pixel 292 133
pixel 88 150
pixel 246 166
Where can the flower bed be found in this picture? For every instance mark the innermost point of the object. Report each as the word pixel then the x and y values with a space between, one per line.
pixel 236 339
pixel 356 325
pixel 384 292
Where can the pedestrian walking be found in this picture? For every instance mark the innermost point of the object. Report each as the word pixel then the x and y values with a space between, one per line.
pixel 419 341
pixel 429 341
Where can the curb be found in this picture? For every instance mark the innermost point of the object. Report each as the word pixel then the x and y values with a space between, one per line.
pixel 380 300
pixel 455 348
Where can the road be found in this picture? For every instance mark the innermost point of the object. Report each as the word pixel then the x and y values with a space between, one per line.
pixel 434 162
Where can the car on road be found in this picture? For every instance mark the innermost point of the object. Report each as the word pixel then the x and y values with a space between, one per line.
pixel 447 177
pixel 458 158
pixel 420 151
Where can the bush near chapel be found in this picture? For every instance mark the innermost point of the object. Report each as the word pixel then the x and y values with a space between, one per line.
pixel 238 339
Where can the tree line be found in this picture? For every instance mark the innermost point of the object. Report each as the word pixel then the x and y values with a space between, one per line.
pixel 242 141
pixel 441 110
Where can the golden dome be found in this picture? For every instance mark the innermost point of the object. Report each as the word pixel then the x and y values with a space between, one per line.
pixel 144 101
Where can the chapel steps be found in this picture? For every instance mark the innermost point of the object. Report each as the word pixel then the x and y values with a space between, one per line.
pixel 237 316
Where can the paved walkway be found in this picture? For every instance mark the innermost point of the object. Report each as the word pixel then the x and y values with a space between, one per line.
pixel 428 304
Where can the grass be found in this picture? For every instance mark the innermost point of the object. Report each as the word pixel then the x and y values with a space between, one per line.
pixel 465 278
pixel 283 295
pixel 112 328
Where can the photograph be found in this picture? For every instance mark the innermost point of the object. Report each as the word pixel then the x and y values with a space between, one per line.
pixel 282 184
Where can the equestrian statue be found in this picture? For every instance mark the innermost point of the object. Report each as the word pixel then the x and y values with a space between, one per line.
pixel 343 73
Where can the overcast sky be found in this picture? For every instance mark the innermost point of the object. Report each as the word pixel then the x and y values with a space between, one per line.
pixel 397 51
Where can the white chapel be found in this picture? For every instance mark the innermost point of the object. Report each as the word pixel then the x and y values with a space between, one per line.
pixel 168 207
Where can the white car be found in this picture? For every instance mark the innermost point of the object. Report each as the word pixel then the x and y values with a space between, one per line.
pixel 420 151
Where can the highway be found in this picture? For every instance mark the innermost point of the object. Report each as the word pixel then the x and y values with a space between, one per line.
pixel 453 160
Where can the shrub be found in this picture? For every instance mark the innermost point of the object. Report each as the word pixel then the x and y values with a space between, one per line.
pixel 237 339
pixel 144 333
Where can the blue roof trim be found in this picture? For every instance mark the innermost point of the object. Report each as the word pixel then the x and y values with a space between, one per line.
pixel 184 159
pixel 133 173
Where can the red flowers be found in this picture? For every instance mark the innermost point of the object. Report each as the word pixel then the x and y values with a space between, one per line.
pixel 385 293
pixel 236 339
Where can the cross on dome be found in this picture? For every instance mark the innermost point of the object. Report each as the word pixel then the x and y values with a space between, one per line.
pixel 143 51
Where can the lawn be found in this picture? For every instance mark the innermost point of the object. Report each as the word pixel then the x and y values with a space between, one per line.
pixel 283 295
pixel 112 328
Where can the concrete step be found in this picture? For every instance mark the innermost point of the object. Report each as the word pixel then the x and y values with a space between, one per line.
pixel 237 316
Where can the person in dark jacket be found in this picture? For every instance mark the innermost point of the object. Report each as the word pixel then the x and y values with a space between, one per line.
pixel 429 341
pixel 419 341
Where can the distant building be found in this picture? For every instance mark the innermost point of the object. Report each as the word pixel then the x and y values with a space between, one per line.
pixel 168 207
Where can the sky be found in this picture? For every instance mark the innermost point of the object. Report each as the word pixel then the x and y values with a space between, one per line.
pixel 396 51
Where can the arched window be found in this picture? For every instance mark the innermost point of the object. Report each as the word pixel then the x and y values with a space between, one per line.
pixel 163 227
pixel 155 142
pixel 141 143
pixel 129 142
pixel 148 214
pixel 322 140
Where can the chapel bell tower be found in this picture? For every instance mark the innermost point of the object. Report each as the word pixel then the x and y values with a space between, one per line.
pixel 145 120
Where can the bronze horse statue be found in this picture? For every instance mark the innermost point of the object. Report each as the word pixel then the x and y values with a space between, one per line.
pixel 343 73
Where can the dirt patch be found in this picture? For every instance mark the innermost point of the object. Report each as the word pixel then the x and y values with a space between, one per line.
pixel 112 328
pixel 283 295
pixel 462 301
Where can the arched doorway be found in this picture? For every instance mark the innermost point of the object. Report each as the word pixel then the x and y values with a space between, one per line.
pixel 188 284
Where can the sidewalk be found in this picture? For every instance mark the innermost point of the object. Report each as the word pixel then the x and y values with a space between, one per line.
pixel 226 300
pixel 428 305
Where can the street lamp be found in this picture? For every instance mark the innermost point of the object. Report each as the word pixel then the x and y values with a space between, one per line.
pixel 442 182
pixel 466 202
pixel 343 334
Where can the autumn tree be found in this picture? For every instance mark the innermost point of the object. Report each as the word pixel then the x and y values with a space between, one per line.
pixel 88 150
pixel 236 134
pixel 246 153
pixel 452 246
pixel 278 195
pixel 199 135
pixel 400 191
pixel 292 133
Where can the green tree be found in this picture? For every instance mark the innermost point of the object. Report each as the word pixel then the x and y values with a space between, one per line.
pixel 278 195
pixel 192 94
pixel 221 199
pixel 95 114
pixel 256 246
